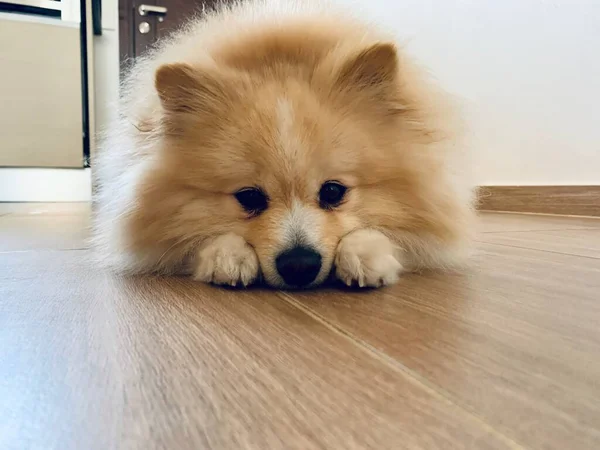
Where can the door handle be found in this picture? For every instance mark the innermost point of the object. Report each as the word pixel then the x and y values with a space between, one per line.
pixel 97 17
pixel 151 10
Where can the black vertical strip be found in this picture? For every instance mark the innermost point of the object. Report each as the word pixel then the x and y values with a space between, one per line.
pixel 85 106
pixel 97 17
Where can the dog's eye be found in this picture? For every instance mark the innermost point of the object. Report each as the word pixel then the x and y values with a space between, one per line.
pixel 331 194
pixel 253 200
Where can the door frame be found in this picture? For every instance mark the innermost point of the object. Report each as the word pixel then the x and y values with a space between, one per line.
pixel 125 32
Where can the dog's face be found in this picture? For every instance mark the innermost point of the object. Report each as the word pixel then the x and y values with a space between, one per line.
pixel 291 166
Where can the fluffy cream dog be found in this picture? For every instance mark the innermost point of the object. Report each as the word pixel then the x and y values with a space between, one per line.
pixel 285 141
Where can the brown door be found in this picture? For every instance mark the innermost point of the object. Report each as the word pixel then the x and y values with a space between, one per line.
pixel 142 22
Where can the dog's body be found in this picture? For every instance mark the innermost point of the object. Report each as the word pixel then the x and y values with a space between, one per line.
pixel 281 139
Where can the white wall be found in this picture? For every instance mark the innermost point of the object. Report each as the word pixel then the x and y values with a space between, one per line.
pixel 32 184
pixel 106 64
pixel 528 71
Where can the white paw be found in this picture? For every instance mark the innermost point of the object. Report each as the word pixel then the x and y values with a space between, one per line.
pixel 228 260
pixel 367 258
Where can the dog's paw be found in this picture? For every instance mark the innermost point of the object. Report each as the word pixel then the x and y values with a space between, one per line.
pixel 367 258
pixel 227 260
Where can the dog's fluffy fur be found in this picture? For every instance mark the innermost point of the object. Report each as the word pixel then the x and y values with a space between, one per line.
pixel 283 95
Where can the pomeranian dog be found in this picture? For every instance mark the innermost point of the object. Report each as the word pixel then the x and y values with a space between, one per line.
pixel 283 141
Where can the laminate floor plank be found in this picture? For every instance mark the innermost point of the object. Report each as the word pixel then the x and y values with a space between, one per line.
pixel 504 222
pixel 44 232
pixel 516 340
pixel 570 242
pixel 90 360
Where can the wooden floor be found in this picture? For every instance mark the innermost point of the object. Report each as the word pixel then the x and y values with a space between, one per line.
pixel 506 355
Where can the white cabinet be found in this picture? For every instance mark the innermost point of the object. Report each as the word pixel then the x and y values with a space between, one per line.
pixel 40 93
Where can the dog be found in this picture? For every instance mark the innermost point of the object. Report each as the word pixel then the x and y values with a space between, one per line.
pixel 287 142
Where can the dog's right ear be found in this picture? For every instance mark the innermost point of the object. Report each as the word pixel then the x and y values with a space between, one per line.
pixel 184 89
pixel 371 76
pixel 375 68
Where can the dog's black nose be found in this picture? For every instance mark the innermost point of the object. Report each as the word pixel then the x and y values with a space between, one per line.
pixel 299 266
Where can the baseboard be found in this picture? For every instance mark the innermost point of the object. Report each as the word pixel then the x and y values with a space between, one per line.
pixel 45 185
pixel 563 200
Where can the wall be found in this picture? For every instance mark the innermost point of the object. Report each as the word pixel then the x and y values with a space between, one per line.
pixel 106 64
pixel 34 184
pixel 528 72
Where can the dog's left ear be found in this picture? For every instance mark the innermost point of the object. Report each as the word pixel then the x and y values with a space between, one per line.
pixel 373 69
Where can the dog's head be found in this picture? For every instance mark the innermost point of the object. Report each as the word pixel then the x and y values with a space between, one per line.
pixel 292 157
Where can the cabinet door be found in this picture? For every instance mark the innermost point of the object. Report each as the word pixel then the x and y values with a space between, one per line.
pixel 40 93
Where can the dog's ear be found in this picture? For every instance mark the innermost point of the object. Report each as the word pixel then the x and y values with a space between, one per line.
pixel 371 77
pixel 182 89
pixel 375 67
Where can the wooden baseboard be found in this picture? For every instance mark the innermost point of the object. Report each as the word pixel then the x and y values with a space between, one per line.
pixel 563 200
